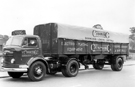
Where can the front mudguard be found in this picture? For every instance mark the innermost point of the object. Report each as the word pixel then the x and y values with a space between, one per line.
pixel 34 59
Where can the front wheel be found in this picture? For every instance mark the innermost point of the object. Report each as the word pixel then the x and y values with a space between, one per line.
pixel 117 64
pixel 37 71
pixel 71 69
pixel 15 74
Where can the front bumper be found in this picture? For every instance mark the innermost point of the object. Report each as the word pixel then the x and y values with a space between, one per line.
pixel 14 70
pixel 22 68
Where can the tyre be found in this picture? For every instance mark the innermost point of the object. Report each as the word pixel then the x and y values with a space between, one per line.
pixel 37 71
pixel 99 65
pixel 117 64
pixel 64 72
pixel 71 69
pixel 15 74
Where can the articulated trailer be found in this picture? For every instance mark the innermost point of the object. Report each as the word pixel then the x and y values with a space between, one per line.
pixel 63 48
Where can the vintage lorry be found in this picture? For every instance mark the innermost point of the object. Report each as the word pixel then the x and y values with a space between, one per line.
pixel 63 48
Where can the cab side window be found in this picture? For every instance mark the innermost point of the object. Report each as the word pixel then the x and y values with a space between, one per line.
pixel 30 42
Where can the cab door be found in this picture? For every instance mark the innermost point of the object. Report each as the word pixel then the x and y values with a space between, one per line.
pixel 30 49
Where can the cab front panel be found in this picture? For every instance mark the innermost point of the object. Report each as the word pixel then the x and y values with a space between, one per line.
pixel 12 59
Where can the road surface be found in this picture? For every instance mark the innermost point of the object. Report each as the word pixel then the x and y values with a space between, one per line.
pixel 85 78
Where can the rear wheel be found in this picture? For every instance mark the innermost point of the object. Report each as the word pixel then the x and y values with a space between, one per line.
pixel 117 64
pixel 37 71
pixel 99 65
pixel 15 74
pixel 71 69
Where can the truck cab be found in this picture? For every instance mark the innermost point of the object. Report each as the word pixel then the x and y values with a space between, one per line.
pixel 19 52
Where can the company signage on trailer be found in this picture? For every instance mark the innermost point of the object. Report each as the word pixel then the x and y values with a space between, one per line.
pixel 90 34
pixel 69 46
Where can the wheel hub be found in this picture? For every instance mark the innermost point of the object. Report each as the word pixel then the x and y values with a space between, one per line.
pixel 72 69
pixel 119 63
pixel 38 71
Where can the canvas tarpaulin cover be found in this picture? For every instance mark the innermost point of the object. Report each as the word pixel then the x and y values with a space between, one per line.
pixel 91 34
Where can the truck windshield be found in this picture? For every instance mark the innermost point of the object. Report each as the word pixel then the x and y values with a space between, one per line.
pixel 14 41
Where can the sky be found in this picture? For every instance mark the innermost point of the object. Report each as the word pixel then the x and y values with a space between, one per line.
pixel 113 15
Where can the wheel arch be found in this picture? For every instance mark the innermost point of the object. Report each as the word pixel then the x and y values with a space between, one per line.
pixel 67 60
pixel 123 57
pixel 34 59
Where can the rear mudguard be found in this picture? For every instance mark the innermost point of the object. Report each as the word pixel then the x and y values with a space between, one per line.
pixel 66 60
pixel 121 56
pixel 124 57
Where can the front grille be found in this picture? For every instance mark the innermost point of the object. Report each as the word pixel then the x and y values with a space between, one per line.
pixel 7 61
pixel 8 57
pixel 9 65
pixel 10 53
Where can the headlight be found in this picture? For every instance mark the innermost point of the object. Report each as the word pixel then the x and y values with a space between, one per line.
pixel 2 60
pixel 12 60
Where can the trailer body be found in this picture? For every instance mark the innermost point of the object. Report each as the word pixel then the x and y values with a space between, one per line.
pixel 65 39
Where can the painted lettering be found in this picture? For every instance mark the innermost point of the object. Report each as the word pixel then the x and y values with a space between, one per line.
pixel 69 43
pixel 82 44
pixel 103 34
pixel 74 49
pixel 98 47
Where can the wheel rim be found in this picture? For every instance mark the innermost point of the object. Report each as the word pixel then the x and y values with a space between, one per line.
pixel 120 63
pixel 73 68
pixel 38 71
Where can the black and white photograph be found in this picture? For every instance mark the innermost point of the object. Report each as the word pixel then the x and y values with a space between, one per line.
pixel 67 43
